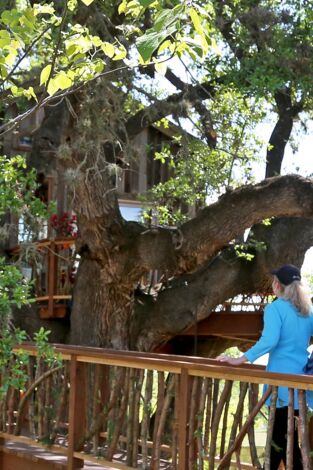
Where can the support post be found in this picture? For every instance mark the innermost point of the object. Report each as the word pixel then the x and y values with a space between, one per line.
pixel 2 444
pixel 290 429
pixel 303 431
pixel 183 419
pixel 51 277
pixel 77 411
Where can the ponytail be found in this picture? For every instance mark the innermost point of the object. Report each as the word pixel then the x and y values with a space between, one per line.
pixel 297 294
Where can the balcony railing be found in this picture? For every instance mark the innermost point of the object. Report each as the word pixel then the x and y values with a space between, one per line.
pixel 145 410
pixel 51 266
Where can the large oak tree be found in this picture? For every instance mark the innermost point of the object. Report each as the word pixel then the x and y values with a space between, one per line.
pixel 244 60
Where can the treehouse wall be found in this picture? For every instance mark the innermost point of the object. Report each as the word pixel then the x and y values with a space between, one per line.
pixel 143 171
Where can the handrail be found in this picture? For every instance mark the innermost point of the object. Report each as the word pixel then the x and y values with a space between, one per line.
pixel 130 382
pixel 196 366
pixel 46 242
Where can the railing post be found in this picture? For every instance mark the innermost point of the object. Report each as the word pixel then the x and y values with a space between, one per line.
pixel 183 418
pixel 310 428
pixel 2 444
pixel 290 429
pixel 51 277
pixel 77 411
pixel 303 431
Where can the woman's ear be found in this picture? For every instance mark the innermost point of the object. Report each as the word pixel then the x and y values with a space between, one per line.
pixel 276 286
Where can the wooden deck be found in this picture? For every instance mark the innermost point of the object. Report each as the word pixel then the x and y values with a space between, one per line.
pixel 21 456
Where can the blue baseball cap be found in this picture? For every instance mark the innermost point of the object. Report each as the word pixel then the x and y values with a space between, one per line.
pixel 287 274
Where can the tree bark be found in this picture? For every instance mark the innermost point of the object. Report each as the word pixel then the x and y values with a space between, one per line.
pixel 281 132
pixel 101 312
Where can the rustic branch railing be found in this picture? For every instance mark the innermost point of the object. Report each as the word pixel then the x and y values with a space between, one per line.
pixel 145 410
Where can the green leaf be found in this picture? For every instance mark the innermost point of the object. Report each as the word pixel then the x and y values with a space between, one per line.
pixel 5 38
pixel 96 41
pixel 28 19
pixel 165 45
pixel 108 49
pixel 120 53
pixel 45 73
pixel 164 19
pixel 62 81
pixel 99 66
pixel 166 24
pixel 87 2
pixel 149 42
pixel 10 17
pixel 71 49
pixel 29 93
pixel 10 58
pixel 122 7
pixel 198 28
pixel 52 87
pixel 43 9
pixel 204 45
pixel 146 3
pixel 72 4
pixel 3 71
pixel 196 21
pixel 15 90
pixel 83 43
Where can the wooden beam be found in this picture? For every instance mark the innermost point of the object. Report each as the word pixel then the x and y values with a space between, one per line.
pixel 44 298
pixel 240 325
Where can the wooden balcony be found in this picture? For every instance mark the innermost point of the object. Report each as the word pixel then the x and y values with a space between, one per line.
pixel 125 410
pixel 52 268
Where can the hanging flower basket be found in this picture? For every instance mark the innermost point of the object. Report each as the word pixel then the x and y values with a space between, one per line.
pixel 64 225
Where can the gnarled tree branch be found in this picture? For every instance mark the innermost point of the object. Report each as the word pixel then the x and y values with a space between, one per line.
pixel 281 132
pixel 190 298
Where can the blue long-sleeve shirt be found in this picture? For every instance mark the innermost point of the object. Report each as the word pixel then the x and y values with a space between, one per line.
pixel 286 337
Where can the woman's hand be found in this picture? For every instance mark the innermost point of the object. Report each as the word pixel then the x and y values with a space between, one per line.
pixel 233 361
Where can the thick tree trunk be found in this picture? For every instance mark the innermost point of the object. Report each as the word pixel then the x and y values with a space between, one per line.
pixel 101 311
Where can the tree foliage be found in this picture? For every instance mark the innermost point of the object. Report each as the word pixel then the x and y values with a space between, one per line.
pixel 17 193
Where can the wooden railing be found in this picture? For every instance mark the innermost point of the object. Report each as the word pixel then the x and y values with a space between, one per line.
pixel 52 268
pixel 55 288
pixel 130 409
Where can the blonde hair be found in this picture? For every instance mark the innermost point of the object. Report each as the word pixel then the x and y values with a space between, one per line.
pixel 298 295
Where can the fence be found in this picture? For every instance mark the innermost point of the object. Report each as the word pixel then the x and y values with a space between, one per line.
pixel 145 410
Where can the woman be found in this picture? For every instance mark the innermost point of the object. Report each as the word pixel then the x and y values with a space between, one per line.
pixel 288 327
